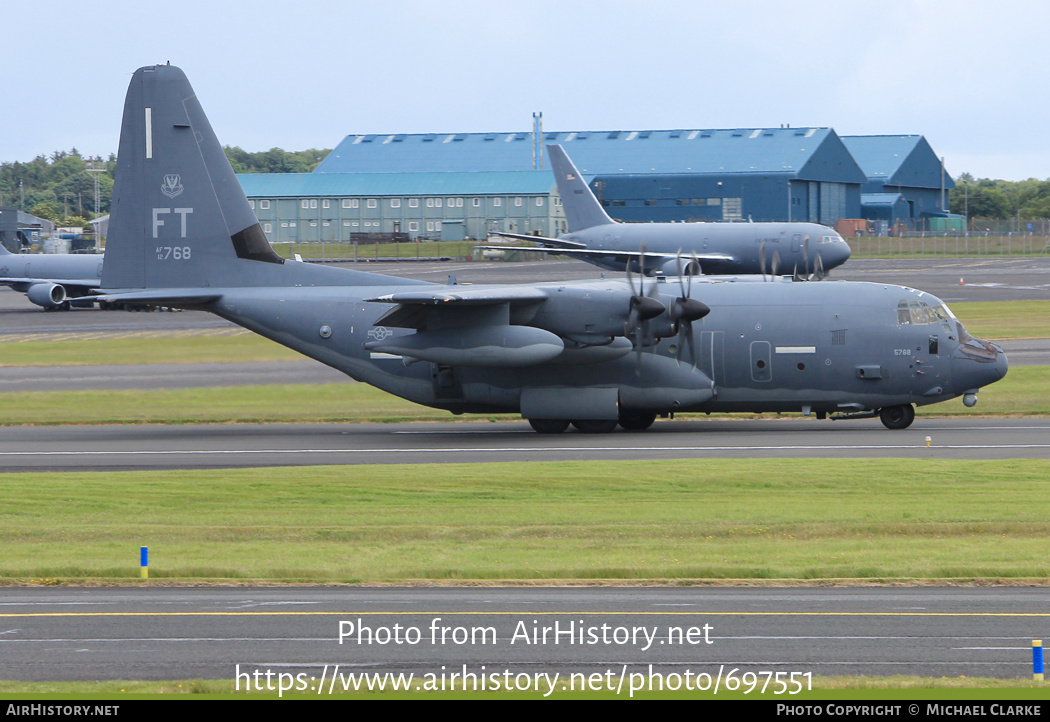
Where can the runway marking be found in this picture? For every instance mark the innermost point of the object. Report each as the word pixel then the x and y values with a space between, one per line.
pixel 425 613
pixel 845 638
pixel 504 450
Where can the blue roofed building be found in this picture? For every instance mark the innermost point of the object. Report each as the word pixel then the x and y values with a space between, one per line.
pixel 468 185
pixel 294 207
pixel 906 185
pixel 763 174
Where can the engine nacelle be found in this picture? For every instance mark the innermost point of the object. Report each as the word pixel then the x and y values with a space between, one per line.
pixel 48 295
pixel 689 267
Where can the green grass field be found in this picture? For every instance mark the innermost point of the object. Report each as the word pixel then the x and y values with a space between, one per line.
pixel 842 689
pixel 1005 321
pixel 675 521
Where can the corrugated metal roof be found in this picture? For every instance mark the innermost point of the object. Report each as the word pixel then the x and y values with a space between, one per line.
pixel 906 160
pixel 740 150
pixel 296 185
pixel 880 156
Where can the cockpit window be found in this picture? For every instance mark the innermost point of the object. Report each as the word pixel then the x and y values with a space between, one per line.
pixel 943 312
pixel 918 313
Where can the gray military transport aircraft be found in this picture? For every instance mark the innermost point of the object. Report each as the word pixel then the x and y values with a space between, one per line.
pixel 803 249
pixel 51 280
pixel 595 354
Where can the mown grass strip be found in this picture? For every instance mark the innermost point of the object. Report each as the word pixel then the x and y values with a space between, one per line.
pixel 1005 320
pixel 663 522
pixel 841 689
pixel 146 347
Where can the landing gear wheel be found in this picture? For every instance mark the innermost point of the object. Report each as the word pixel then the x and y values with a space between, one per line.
pixel 637 421
pixel 595 426
pixel 897 417
pixel 548 426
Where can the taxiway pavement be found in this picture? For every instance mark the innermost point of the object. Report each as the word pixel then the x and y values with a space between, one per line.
pixel 186 633
pixel 83 448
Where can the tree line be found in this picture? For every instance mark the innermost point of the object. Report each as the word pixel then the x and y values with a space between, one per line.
pixel 986 198
pixel 61 189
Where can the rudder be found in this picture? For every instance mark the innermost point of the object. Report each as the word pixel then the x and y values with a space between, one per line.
pixel 179 216
pixel 582 209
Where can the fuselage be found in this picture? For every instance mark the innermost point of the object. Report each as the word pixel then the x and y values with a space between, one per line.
pixel 747 247
pixel 776 346
pixel 36 267
pixel 50 279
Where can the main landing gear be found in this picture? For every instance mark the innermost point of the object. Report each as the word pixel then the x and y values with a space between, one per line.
pixel 639 421
pixel 897 417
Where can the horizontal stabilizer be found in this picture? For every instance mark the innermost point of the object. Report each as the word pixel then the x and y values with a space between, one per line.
pixel 166 296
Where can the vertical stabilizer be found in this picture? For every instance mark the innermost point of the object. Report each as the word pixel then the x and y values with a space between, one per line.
pixel 582 209
pixel 179 217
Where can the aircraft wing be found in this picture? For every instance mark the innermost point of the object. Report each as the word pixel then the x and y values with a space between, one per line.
pixel 413 307
pixel 651 257
pixel 465 295
pixel 553 242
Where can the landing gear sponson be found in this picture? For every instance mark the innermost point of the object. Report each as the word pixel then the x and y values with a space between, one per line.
pixel 638 421
pixel 892 417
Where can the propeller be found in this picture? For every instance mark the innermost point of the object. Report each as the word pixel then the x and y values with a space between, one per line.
pixel 774 266
pixel 685 309
pixel 819 273
pixel 815 272
pixel 643 309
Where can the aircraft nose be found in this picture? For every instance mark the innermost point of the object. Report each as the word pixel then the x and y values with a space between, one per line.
pixel 976 363
pixel 840 253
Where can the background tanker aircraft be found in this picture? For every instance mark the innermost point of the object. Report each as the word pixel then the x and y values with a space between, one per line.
pixel 51 280
pixel 595 354
pixel 802 249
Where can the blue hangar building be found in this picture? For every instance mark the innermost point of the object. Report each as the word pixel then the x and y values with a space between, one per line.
pixel 906 184
pixel 467 185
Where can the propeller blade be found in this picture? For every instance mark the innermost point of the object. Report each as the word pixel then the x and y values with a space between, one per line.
pixel 776 262
pixel 683 312
pixel 762 259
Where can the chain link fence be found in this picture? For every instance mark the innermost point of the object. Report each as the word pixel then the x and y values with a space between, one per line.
pixel 960 245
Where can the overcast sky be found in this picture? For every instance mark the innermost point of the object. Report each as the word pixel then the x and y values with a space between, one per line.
pixel 970 75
